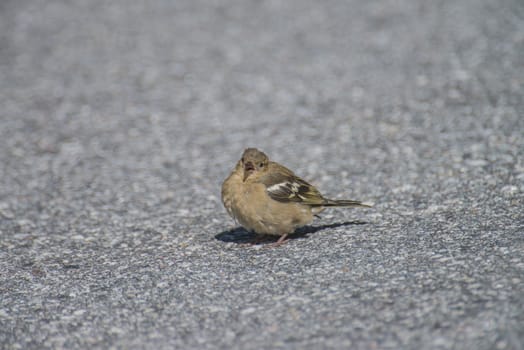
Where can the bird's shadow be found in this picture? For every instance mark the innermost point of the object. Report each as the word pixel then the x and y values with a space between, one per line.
pixel 240 235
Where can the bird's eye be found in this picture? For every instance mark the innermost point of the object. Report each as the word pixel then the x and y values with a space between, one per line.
pixel 261 164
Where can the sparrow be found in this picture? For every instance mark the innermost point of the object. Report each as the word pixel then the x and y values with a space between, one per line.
pixel 269 199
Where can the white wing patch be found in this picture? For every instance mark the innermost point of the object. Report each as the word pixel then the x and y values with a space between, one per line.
pixel 291 189
pixel 278 187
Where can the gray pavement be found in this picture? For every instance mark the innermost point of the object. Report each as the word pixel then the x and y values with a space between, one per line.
pixel 120 119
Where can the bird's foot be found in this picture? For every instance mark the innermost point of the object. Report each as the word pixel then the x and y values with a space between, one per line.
pixel 282 240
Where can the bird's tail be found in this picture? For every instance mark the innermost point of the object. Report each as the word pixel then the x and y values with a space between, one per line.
pixel 345 203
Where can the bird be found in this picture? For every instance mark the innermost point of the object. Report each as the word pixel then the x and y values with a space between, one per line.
pixel 267 198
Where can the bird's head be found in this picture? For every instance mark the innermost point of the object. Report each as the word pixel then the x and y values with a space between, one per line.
pixel 253 161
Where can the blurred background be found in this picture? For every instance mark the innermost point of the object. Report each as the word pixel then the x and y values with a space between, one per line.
pixel 138 91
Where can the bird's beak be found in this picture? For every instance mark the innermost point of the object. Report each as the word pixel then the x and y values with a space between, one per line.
pixel 248 169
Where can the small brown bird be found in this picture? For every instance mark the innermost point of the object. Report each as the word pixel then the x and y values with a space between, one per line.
pixel 268 198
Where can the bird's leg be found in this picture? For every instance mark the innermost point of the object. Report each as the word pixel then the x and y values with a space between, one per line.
pixel 283 239
pixel 262 238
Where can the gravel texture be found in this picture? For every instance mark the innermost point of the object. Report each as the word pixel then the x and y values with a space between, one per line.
pixel 120 119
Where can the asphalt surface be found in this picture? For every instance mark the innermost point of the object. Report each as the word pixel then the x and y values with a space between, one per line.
pixel 120 119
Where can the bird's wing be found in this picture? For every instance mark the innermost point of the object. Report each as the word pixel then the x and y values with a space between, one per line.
pixel 284 186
